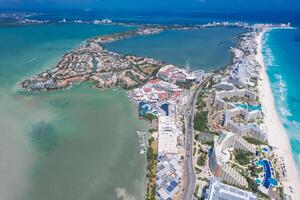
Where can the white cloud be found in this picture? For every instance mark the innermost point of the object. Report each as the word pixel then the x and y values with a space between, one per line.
pixel 122 194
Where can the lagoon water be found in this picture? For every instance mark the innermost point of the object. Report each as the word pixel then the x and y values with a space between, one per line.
pixel 203 49
pixel 76 144
pixel 281 55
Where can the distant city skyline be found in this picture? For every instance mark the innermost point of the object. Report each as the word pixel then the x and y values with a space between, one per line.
pixel 175 5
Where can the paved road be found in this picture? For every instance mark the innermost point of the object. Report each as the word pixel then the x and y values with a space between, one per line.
pixel 189 171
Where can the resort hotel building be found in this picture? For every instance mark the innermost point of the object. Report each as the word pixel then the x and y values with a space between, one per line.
pixel 236 93
pixel 224 86
pixel 220 97
pixel 245 112
pixel 171 73
pixel 220 158
pixel 221 191
pixel 247 130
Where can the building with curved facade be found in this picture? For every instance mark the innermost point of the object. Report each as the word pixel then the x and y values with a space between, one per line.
pixel 220 158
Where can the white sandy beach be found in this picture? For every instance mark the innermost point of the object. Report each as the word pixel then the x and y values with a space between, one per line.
pixel 277 135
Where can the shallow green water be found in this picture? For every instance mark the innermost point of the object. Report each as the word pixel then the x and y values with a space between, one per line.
pixel 76 144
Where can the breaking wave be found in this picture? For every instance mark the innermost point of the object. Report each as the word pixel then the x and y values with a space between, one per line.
pixel 280 93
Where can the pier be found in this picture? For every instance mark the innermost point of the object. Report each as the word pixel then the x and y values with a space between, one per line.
pixel 142 141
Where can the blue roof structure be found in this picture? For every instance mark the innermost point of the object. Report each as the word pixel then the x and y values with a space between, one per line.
pixel 174 183
pixel 169 188
pixel 144 108
pixel 165 107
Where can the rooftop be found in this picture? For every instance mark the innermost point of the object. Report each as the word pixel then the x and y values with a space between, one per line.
pixel 221 191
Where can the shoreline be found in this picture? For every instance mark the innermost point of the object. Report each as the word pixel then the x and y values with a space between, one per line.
pixel 277 135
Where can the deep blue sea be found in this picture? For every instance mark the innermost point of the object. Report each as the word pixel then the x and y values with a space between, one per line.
pixel 174 17
pixel 282 58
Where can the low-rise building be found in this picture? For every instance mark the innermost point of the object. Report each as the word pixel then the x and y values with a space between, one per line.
pixel 168 135
pixel 168 176
pixel 169 166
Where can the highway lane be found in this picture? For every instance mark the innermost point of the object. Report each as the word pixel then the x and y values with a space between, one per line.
pixel 189 170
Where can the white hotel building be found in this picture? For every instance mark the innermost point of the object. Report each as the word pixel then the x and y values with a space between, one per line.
pixel 220 157
pixel 232 110
pixel 221 191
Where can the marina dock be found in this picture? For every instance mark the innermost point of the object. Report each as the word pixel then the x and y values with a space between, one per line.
pixel 142 141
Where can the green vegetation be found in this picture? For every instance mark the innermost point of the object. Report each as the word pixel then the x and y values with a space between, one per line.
pixel 194 151
pixel 151 70
pixel 200 104
pixel 186 85
pixel 150 140
pixel 281 192
pixel 150 157
pixel 198 170
pixel 205 138
pixel 152 130
pixel 252 185
pixel 149 116
pixel 254 188
pixel 203 179
pixel 210 83
pixel 155 71
pixel 151 169
pixel 202 159
pixel 127 87
pixel 254 141
pixel 254 170
pixel 196 191
pixel 200 121
pixel 242 157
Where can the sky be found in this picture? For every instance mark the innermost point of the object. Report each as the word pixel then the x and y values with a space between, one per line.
pixel 138 5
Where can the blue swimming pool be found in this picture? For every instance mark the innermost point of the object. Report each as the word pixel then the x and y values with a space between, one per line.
pixel 260 163
pixel 249 107
pixel 268 181
pixel 267 169
pixel 265 149
pixel 273 181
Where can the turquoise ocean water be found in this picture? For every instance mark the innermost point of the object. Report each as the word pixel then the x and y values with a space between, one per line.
pixel 281 52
